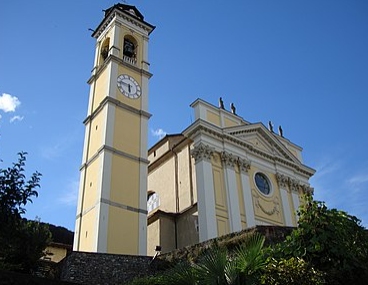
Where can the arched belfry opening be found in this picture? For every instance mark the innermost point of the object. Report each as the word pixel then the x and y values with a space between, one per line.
pixel 104 51
pixel 130 48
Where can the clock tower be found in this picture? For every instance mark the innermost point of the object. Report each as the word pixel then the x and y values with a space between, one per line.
pixel 112 202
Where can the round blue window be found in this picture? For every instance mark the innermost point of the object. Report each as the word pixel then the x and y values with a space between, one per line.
pixel 263 183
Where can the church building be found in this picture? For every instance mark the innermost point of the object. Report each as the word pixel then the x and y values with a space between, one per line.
pixel 220 175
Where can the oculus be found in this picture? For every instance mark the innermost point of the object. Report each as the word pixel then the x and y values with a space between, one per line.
pixel 263 183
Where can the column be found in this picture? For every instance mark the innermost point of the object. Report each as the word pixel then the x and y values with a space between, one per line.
pixel 294 187
pixel 282 182
pixel 229 162
pixel 206 197
pixel 244 166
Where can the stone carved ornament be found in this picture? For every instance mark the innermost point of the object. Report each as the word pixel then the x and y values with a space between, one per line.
pixel 294 184
pixel 228 159
pixel 202 151
pixel 231 160
pixel 258 204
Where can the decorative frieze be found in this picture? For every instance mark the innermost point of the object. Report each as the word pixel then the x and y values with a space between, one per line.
pixel 202 151
pixel 282 180
pixel 228 159
pixel 244 164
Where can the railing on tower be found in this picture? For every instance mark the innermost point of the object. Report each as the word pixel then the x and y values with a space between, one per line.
pixel 130 60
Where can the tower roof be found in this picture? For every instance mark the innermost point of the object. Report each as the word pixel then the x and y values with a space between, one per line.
pixel 129 10
pixel 132 10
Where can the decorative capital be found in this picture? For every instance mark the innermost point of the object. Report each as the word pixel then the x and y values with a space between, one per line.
pixel 228 159
pixel 307 189
pixel 202 151
pixel 244 164
pixel 294 184
pixel 282 180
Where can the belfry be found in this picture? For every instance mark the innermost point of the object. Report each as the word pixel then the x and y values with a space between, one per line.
pixel 112 202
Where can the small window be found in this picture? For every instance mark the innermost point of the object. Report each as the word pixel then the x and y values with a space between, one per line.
pixel 105 50
pixel 262 183
pixel 153 201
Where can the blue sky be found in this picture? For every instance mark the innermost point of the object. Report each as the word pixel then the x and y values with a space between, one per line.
pixel 301 64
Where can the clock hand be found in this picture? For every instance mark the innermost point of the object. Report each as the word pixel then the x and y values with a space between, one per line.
pixel 129 88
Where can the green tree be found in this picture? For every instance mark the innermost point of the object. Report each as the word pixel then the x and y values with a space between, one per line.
pixel 331 241
pixel 22 242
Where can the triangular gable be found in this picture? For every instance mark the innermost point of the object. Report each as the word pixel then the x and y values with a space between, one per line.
pixel 260 137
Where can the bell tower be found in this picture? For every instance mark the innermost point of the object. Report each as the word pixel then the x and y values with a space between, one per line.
pixel 112 202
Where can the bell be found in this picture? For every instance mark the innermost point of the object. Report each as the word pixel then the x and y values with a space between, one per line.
pixel 128 48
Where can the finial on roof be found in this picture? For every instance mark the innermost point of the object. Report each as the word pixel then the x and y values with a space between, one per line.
pixel 270 126
pixel 233 109
pixel 221 103
pixel 281 132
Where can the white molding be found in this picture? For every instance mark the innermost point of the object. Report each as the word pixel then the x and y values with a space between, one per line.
pixel 206 200
pixel 295 197
pixel 233 199
pixel 248 199
pixel 144 96
pixel 142 232
pixel 286 207
pixel 109 124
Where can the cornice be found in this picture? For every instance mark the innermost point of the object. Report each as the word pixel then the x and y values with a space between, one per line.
pixel 117 103
pixel 111 57
pixel 107 20
pixel 201 126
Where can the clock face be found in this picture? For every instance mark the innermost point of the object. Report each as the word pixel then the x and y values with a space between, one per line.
pixel 129 86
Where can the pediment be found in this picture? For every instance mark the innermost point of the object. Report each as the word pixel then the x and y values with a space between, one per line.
pixel 261 138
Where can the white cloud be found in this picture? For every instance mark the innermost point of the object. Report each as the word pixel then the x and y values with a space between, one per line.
pixel 160 133
pixel 8 103
pixel 358 179
pixel 71 196
pixel 0 117
pixel 16 118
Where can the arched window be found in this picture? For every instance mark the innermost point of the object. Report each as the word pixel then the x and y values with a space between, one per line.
pixel 130 47
pixel 153 201
pixel 104 52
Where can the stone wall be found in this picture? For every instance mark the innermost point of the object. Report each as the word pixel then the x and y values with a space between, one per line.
pixel 100 268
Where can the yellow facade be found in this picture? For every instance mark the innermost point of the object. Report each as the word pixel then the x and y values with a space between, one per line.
pixel 111 216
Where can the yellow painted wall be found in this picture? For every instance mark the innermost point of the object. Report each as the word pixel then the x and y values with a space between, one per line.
pixel 183 179
pixel 87 232
pixel 54 253
pixel 153 237
pixel 100 89
pixel 162 181
pixel 125 181
pixel 230 123
pixel 267 204
pixel 127 132
pixel 95 137
pixel 91 181
pixel 213 118
pixel 122 232
pixel 136 103
pixel 167 234
pixel 222 217
pixel 187 233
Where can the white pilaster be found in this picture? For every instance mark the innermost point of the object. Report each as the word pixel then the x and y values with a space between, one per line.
pixel 231 192
pixel 286 207
pixel 248 200
pixel 206 194
pixel 295 197
pixel 142 227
